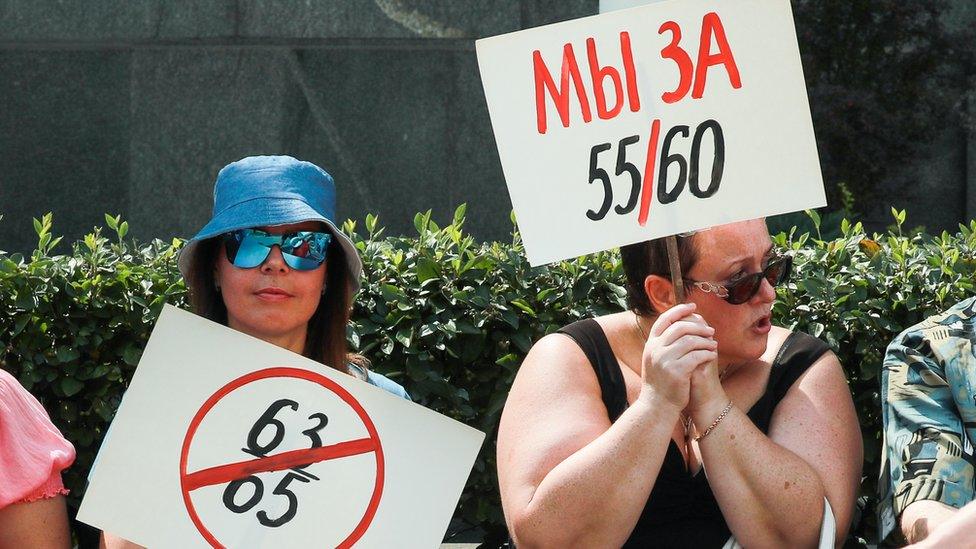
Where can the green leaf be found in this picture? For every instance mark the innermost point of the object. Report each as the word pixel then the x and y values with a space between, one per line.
pixel 814 216
pixel 510 318
pixel 67 354
pixel 404 336
pixel 71 386
pixel 421 221
pixel 131 355
pixel 459 214
pixel 427 269
pixel 521 304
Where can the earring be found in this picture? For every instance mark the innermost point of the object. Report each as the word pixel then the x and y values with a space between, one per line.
pixel 216 285
pixel 323 288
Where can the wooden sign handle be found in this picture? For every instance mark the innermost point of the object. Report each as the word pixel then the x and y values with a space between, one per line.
pixel 675 263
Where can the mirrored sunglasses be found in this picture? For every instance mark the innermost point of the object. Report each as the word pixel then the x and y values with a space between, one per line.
pixel 301 250
pixel 777 272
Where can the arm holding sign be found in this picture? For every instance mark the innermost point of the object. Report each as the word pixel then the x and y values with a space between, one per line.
pixel 575 470
pixel 584 481
pixel 769 486
pixel 273 264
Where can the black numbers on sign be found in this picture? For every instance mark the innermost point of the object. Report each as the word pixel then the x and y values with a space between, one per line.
pixel 313 433
pixel 718 166
pixel 663 196
pixel 635 175
pixel 601 174
pixel 282 490
pixel 687 169
pixel 254 447
pixel 623 166
pixel 230 494
pixel 267 419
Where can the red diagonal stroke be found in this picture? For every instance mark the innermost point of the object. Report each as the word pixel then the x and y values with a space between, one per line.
pixel 276 462
pixel 650 174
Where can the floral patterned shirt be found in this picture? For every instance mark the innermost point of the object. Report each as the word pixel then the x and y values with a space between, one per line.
pixel 928 400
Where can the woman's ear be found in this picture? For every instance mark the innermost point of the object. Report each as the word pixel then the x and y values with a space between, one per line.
pixel 660 292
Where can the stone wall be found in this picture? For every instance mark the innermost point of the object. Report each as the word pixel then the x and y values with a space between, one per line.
pixel 131 107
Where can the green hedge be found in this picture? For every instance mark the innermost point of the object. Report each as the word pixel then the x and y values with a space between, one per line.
pixel 449 318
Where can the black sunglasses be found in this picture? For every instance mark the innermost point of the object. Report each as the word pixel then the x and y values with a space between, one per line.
pixel 777 272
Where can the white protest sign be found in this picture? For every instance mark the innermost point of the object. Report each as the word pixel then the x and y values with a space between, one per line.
pixel 650 121
pixel 227 441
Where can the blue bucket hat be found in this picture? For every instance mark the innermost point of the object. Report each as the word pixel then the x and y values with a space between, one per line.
pixel 265 191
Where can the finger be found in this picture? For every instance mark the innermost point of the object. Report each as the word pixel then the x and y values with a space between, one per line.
pixel 689 343
pixel 682 328
pixel 695 317
pixel 705 370
pixel 687 364
pixel 667 358
pixel 671 316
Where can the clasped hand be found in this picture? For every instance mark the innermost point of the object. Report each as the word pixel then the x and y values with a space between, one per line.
pixel 680 361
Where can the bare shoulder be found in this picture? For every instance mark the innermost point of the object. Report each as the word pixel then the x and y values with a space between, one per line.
pixel 557 372
pixel 819 396
pixel 553 409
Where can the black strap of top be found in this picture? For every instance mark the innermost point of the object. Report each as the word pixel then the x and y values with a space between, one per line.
pixel 797 354
pixel 589 336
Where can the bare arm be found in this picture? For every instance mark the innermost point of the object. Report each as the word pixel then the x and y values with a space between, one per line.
pixel 42 524
pixel 570 478
pixel 769 487
pixel 929 523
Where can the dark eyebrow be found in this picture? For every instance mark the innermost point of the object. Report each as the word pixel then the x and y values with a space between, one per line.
pixel 734 267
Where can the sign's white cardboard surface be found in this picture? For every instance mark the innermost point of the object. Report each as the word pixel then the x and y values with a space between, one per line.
pixel 187 376
pixel 769 162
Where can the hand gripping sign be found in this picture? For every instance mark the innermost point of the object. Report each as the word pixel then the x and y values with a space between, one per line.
pixel 649 122
pixel 223 440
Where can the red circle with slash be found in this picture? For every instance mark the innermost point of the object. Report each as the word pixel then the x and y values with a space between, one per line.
pixel 283 460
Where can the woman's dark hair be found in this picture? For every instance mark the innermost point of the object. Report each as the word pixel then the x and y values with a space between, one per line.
pixel 651 258
pixel 325 341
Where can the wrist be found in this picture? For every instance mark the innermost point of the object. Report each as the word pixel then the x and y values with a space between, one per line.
pixel 657 406
pixel 705 411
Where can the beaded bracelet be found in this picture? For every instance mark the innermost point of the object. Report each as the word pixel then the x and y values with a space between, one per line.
pixel 715 423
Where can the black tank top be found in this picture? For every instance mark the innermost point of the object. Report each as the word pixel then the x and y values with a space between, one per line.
pixel 681 510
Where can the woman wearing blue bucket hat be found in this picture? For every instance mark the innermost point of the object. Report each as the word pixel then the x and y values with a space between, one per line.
pixel 272 263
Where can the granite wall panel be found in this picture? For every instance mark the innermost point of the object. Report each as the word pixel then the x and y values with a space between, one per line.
pixel 193 111
pixel 64 133
pixel 379 121
pixel 132 106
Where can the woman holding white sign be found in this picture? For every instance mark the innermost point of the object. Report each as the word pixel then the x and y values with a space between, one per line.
pixel 273 264
pixel 687 424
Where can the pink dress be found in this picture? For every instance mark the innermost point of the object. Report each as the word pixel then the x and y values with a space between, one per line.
pixel 32 451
